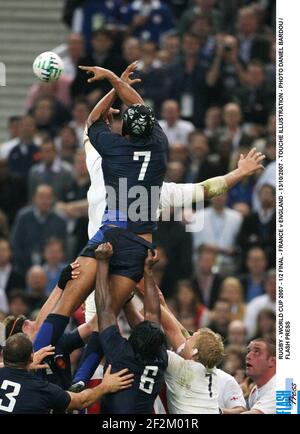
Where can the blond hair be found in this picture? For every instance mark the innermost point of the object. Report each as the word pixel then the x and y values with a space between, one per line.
pixel 210 348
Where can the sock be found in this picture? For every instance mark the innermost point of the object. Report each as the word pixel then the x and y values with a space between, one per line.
pixel 90 360
pixel 50 331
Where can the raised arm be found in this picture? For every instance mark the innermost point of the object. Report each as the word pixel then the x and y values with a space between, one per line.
pixel 151 298
pixel 106 316
pixel 126 93
pixel 247 166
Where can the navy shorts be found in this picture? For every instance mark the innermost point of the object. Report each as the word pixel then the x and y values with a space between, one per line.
pixel 129 255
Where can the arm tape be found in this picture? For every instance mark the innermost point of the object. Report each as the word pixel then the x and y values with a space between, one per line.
pixel 215 186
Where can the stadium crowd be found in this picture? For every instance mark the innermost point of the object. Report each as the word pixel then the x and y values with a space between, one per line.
pixel 207 68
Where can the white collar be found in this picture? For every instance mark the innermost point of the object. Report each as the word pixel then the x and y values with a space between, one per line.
pixel 136 5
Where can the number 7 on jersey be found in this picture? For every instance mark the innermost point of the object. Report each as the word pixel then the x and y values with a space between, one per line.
pixel 147 156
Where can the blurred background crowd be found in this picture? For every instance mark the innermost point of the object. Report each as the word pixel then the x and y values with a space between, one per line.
pixel 208 70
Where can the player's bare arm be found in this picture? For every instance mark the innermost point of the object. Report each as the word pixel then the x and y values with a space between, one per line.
pixel 151 299
pixel 126 93
pixel 111 383
pixel 247 166
pixel 103 108
pixel 106 316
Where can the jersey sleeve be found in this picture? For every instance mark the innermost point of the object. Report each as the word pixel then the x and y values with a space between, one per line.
pixel 58 399
pixel 175 363
pixel 99 134
pixel 232 395
pixel 113 344
pixel 70 342
pixel 173 194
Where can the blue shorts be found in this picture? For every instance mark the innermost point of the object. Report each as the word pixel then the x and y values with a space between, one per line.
pixel 129 249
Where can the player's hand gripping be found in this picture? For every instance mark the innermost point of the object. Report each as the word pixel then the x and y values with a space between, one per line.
pixel 150 260
pixel 251 163
pixel 118 381
pixel 103 252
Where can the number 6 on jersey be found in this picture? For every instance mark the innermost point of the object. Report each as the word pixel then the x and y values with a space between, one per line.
pixel 147 156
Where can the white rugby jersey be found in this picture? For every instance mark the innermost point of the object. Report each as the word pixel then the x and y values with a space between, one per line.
pixel 264 398
pixel 191 388
pixel 230 392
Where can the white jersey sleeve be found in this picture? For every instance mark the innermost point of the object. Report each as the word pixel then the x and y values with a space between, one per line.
pixel 230 393
pixel 173 195
pixel 175 363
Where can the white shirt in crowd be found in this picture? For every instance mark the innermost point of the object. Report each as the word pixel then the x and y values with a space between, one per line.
pixel 252 311
pixel 191 388
pixel 7 147
pixel 263 398
pixel 219 229
pixel 4 276
pixel 179 132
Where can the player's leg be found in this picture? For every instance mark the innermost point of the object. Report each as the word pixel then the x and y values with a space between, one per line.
pixel 120 287
pixel 74 295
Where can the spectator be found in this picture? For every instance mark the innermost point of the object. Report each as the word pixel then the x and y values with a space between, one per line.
pixel 259 227
pixel 207 280
pixel 254 98
pixel 10 279
pixel 67 144
pixel 80 112
pixel 102 55
pixel 176 129
pixel 179 153
pixel 232 291
pixel 220 318
pixel 253 281
pixel 267 177
pixel 237 333
pixel 187 308
pixel 234 359
pixel 170 43
pixel 200 167
pixel 52 171
pixel 26 153
pixel 36 281
pixel 220 229
pixel 4 228
pixel 54 262
pixel 151 73
pixel 205 7
pixel 252 45
pixel 187 81
pixel 232 130
pixel 266 324
pixel 18 303
pixel 131 49
pixel 33 226
pixel 58 92
pixel 14 133
pixel 226 73
pixel 175 172
pixel 202 26
pixel 13 192
pixel 49 114
pixel 148 20
pixel 75 51
pixel 265 301
pixel 212 125
pixel 270 69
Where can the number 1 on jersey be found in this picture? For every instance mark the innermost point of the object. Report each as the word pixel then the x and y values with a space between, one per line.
pixel 147 156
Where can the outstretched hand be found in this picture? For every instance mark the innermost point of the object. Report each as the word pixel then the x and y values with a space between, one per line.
pixel 126 75
pixel 99 73
pixel 251 163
